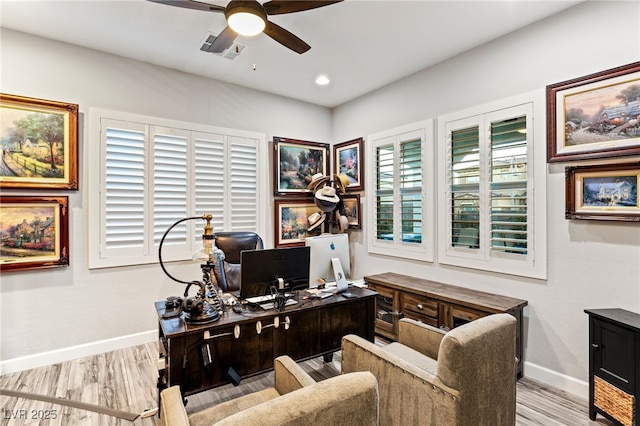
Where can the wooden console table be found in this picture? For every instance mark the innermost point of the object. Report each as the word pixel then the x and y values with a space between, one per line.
pixel 199 357
pixel 440 305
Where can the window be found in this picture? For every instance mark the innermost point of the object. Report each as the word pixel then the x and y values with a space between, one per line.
pixel 490 215
pixel 402 203
pixel 150 172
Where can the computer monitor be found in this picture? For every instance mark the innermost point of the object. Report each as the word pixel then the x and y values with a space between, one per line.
pixel 261 269
pixel 323 248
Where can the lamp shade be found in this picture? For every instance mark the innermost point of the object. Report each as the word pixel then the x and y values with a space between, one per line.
pixel 246 23
pixel 246 17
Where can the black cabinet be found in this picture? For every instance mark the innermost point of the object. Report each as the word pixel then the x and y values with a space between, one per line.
pixel 614 364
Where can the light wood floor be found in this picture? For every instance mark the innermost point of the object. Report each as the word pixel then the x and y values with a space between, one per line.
pixel 126 380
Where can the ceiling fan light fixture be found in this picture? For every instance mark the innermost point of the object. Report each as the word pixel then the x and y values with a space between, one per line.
pixel 247 18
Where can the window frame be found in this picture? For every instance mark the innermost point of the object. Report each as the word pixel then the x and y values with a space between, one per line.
pixel 533 264
pixel 96 165
pixel 424 250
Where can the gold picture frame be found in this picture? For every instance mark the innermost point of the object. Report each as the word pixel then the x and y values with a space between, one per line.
pixel 39 147
pixel 34 232
pixel 603 192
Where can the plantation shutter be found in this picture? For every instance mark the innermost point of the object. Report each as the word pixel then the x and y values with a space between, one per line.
pixel 384 192
pixel 243 181
pixel 123 202
pixel 464 178
pixel 509 186
pixel 210 177
pixel 170 186
pixel 411 190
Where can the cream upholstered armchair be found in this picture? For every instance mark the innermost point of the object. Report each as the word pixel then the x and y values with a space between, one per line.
pixel 295 400
pixel 466 376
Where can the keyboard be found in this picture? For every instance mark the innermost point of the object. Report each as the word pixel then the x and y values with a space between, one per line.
pixel 265 298
pixel 269 305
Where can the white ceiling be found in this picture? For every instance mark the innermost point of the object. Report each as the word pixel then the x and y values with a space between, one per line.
pixel 361 45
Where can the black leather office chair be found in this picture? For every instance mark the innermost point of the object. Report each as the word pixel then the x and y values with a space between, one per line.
pixel 226 273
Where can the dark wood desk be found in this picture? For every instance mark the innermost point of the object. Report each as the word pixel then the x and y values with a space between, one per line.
pixel 306 330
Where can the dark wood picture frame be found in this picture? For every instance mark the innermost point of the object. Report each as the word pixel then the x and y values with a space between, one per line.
pixel 40 151
pixel 34 232
pixel 595 116
pixel 291 221
pixel 603 192
pixel 348 159
pixel 352 209
pixel 295 162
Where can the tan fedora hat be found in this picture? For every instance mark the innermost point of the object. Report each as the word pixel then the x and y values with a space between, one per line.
pixel 342 182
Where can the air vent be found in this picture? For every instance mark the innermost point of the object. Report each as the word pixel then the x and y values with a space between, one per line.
pixel 234 50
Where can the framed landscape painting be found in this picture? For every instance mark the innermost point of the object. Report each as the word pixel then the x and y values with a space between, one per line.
pixel 38 143
pixel 348 160
pixel 351 209
pixel 34 232
pixel 292 221
pixel 603 192
pixel 294 164
pixel 595 116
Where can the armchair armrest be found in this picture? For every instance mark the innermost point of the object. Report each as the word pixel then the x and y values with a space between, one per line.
pixel 172 411
pixel 420 337
pixel 339 401
pixel 289 376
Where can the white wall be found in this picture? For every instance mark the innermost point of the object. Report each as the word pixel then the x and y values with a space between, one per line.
pixel 66 312
pixel 591 264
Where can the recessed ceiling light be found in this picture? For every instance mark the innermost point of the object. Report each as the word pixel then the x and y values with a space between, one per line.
pixel 322 80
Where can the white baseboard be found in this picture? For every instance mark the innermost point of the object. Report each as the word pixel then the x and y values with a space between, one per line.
pixel 73 352
pixel 560 381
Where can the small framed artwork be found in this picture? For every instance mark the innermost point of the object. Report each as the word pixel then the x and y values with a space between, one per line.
pixel 348 160
pixel 38 143
pixel 351 209
pixel 294 164
pixel 292 221
pixel 34 232
pixel 595 116
pixel 603 192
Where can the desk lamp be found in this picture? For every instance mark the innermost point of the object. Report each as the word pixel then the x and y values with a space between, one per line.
pixel 205 306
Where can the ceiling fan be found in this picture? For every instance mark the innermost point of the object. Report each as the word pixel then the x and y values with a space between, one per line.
pixel 249 17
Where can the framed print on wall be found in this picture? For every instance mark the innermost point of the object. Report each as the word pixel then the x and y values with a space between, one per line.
pixel 294 164
pixel 595 116
pixel 291 221
pixel 351 209
pixel 603 192
pixel 34 232
pixel 38 143
pixel 348 160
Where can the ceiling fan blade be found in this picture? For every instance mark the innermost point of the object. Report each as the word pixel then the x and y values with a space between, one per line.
pixel 278 7
pixel 223 41
pixel 191 4
pixel 286 38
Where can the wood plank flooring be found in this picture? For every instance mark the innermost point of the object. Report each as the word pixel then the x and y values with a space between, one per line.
pixel 126 380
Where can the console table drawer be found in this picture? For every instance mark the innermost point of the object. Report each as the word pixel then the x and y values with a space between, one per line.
pixel 421 318
pixel 419 305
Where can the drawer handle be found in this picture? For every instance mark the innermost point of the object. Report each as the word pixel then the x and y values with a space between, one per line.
pixel 595 346
pixel 419 306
